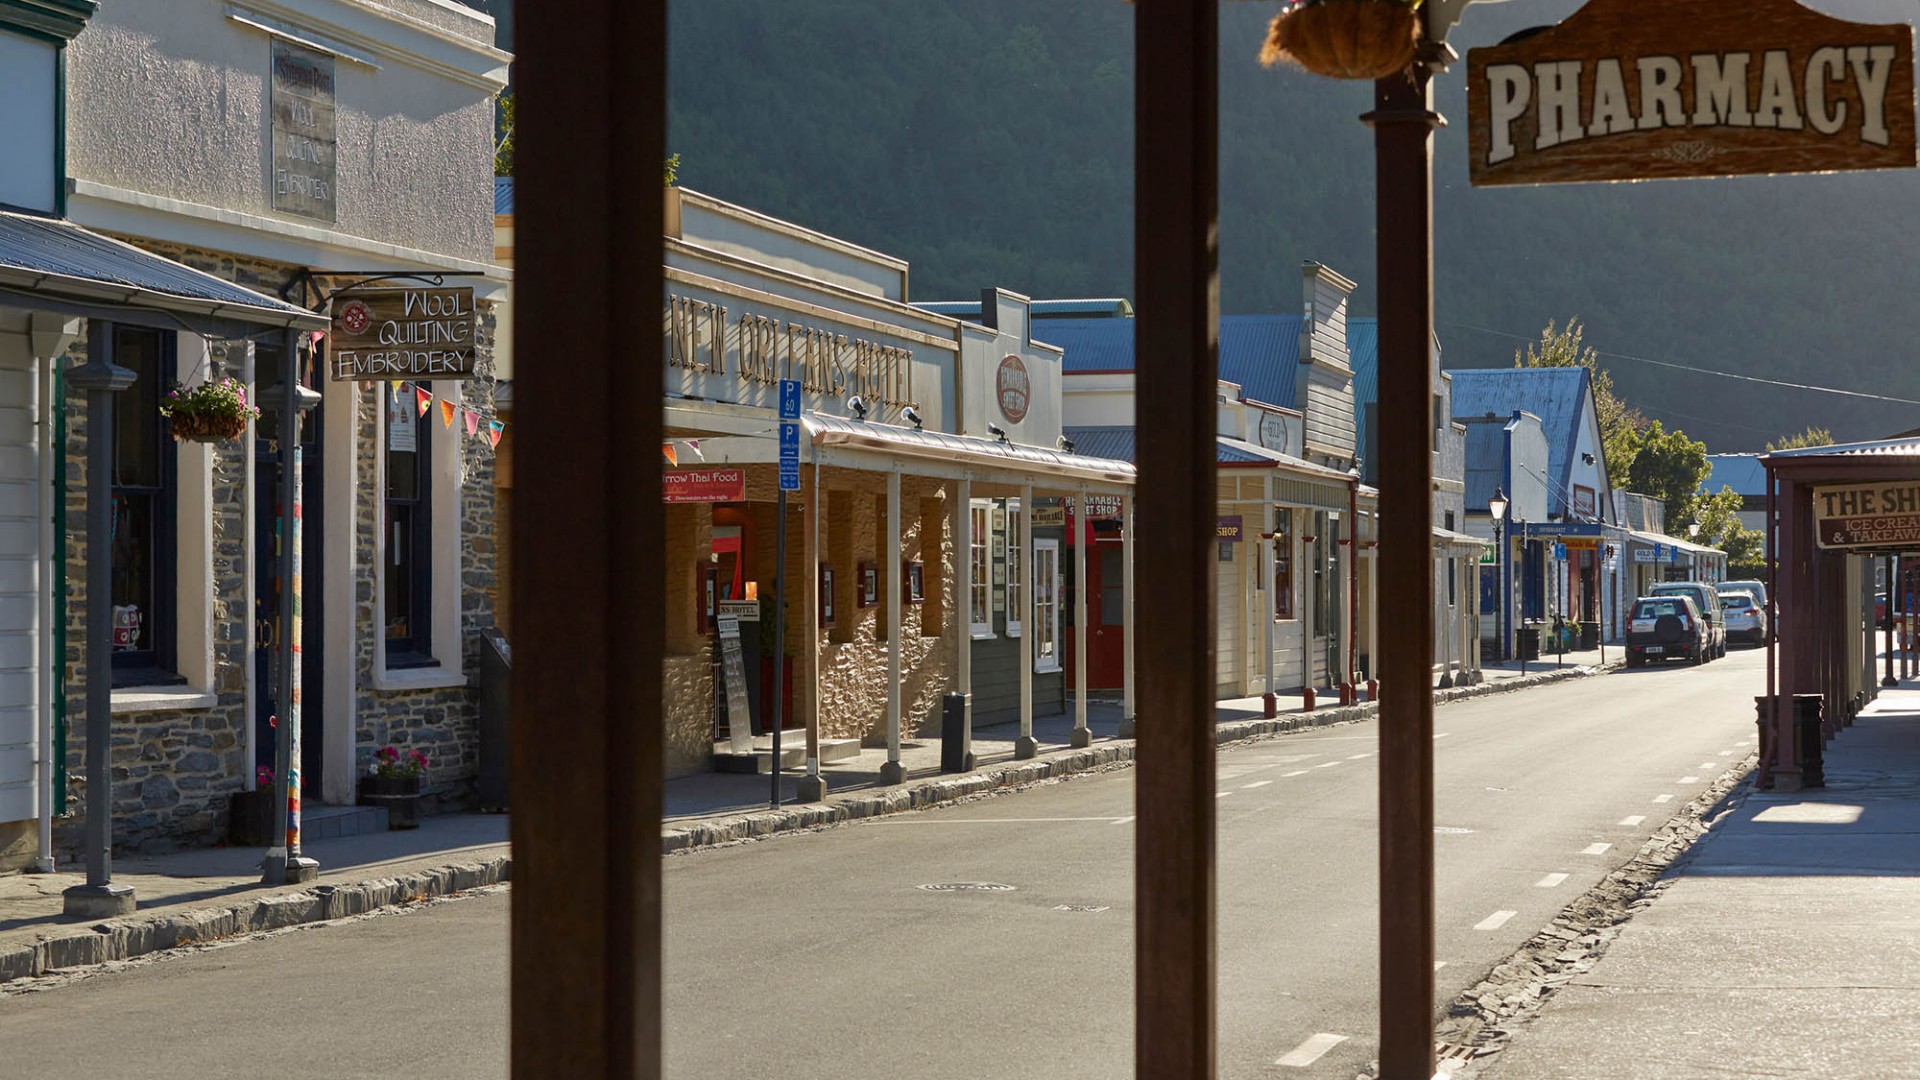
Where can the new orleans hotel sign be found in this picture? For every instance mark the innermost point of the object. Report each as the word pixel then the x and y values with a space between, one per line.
pixel 1633 90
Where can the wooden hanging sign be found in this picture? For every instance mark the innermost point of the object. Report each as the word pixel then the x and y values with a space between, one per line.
pixel 1631 90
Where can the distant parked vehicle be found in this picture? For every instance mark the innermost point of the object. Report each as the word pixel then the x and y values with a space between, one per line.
pixel 1707 601
pixel 1757 588
pixel 1744 616
pixel 1667 627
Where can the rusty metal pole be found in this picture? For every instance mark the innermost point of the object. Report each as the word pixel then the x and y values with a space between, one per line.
pixel 1764 769
pixel 1887 618
pixel 1403 123
pixel 1176 276
pixel 587 532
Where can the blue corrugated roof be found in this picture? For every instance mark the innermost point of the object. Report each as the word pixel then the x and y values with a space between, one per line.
pixel 1117 442
pixel 1741 472
pixel 1090 344
pixel 1103 442
pixel 55 257
pixel 1556 395
pixel 1486 459
pixel 503 194
pixel 1363 342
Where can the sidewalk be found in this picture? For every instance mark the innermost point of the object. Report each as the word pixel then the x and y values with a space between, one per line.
pixel 1786 943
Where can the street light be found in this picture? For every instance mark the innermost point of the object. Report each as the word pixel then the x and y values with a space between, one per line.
pixel 1497 506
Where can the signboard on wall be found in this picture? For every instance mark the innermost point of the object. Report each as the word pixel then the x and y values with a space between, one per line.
pixel 1867 516
pixel 1627 90
pixel 1276 432
pixel 703 485
pixel 302 133
pixel 1584 501
pixel 424 333
pixel 1012 389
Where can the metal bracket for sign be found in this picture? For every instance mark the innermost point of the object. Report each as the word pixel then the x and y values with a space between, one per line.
pixel 304 277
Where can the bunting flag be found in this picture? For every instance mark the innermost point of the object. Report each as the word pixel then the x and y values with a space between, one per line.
pixel 446 414
pixel 473 422
pixel 694 445
pixel 315 339
pixel 494 428
pixel 424 397
pixel 667 451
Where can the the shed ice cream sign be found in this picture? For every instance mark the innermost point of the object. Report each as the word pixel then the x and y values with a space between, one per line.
pixel 1627 90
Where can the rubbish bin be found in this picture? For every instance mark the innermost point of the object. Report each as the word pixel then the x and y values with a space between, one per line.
pixel 1529 642
pixel 1589 634
pixel 1807 709
pixel 953 734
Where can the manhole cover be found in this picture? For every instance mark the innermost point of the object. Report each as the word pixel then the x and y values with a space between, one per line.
pixel 1451 830
pixel 1088 908
pixel 967 886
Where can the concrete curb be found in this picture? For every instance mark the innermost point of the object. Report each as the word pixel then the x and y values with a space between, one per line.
pixel 927 793
pixel 137 935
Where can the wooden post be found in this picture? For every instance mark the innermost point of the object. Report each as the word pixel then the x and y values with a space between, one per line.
pixel 1082 553
pixel 963 588
pixel 1127 729
pixel 586 930
pixel 893 772
pixel 1176 273
pixel 1025 746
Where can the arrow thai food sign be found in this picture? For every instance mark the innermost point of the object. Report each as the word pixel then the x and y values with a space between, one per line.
pixel 1631 90
pixel 1867 515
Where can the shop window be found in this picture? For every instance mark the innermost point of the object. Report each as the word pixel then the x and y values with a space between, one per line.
pixel 980 567
pixel 1016 538
pixel 145 496
pixel 408 566
pixel 1283 564
pixel 1046 605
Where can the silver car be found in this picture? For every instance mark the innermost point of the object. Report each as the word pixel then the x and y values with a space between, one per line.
pixel 1744 616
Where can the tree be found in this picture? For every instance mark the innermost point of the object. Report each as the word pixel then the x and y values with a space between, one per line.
pixel 1620 423
pixel 1669 466
pixel 1719 518
pixel 1813 436
pixel 503 136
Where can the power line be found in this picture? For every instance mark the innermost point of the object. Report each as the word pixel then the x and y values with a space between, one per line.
pixel 1708 371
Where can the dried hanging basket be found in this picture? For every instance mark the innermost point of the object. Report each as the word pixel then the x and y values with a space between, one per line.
pixel 207 427
pixel 1344 39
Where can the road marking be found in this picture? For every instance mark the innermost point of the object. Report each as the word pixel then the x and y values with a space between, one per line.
pixel 1309 1052
pixel 1438 964
pixel 1255 784
pixel 1633 819
pixel 1296 772
pixel 1709 764
pixel 1663 798
pixel 1550 881
pixel 1727 753
pixel 1326 764
pixel 989 820
pixel 1495 921
pixel 1124 820
pixel 1357 757
pixel 1443 734
pixel 1221 794
pixel 1689 779
pixel 1595 849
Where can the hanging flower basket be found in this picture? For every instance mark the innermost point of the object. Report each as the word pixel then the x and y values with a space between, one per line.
pixel 1344 39
pixel 209 413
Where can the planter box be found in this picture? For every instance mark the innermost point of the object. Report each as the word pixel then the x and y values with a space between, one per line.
pixel 400 795
pixel 250 818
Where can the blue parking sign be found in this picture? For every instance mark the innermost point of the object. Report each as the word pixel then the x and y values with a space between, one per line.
pixel 789 456
pixel 789 399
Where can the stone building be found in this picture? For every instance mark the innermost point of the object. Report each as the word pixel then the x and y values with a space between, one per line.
pixel 306 151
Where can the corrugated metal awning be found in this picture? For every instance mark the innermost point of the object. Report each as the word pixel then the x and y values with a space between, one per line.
pixel 964 450
pixel 58 260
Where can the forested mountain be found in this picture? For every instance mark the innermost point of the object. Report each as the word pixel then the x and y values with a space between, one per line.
pixel 990 143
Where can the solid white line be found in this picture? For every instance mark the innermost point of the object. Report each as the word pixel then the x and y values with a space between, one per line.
pixel 1309 1052
pixel 1255 784
pixel 1495 921
pixel 1689 779
pixel 1663 798
pixel 1296 772
pixel 985 820
pixel 1124 820
pixel 1357 757
pixel 1633 819
pixel 1221 794
pixel 1443 734
pixel 1550 881
pixel 1595 849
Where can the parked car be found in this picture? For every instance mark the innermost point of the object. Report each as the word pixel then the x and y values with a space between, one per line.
pixel 1757 588
pixel 1707 600
pixel 1744 616
pixel 1667 627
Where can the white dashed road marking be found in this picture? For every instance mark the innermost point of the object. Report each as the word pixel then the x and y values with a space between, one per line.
pixel 1633 819
pixel 1728 753
pixel 1495 921
pixel 1309 1052
pixel 1550 881
pixel 1689 779
pixel 1255 784
pixel 1357 757
pixel 1326 764
pixel 1296 772
pixel 1221 794
pixel 1438 964
pixel 1124 820
pixel 1595 849
pixel 1663 798
pixel 1709 764
pixel 1443 734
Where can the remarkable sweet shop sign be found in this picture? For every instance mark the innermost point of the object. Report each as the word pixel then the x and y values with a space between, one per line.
pixel 1635 90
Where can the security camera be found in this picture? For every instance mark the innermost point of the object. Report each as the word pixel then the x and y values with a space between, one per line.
pixel 906 411
pixel 857 407
pixel 1064 444
pixel 997 431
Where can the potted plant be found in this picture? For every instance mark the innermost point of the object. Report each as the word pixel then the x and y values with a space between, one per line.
pixel 1344 39
pixel 250 813
pixel 395 784
pixel 211 412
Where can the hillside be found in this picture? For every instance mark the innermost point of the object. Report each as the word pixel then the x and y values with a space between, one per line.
pixel 990 142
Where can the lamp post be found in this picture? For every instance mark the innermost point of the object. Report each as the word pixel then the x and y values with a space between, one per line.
pixel 1497 506
pixel 101 378
pixel 284 864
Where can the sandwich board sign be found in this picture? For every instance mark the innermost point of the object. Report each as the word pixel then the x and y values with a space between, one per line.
pixel 1632 90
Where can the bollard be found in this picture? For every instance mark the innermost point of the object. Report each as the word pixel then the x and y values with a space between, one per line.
pixel 1269 705
pixel 1373 689
pixel 1807 710
pixel 1346 694
pixel 1763 772
pixel 1306 699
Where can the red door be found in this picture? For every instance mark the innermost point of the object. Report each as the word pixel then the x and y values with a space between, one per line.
pixel 1106 615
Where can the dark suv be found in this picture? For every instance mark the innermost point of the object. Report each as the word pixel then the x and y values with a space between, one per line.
pixel 1667 627
pixel 1706 600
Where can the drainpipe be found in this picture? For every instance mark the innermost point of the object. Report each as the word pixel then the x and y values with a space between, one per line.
pixel 49 336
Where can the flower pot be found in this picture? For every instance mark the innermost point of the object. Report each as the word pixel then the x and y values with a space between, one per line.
pixel 250 818
pixel 207 427
pixel 399 794
pixel 1344 39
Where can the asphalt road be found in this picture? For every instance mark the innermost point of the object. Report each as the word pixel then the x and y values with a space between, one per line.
pixel 821 954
